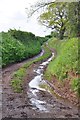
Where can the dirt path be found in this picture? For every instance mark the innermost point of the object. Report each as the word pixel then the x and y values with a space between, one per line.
pixel 29 105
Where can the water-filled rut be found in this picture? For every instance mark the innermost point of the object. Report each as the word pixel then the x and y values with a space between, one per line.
pixel 37 100
pixel 42 99
pixel 35 87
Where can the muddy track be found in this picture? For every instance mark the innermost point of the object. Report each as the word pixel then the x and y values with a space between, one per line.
pixel 32 103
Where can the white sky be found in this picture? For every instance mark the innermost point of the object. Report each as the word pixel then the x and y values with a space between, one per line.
pixel 13 15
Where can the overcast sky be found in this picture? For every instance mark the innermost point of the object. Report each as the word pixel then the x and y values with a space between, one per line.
pixel 13 15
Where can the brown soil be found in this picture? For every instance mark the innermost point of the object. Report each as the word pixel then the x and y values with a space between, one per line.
pixel 63 89
pixel 17 105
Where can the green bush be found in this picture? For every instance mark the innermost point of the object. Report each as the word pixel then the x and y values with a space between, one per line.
pixel 18 45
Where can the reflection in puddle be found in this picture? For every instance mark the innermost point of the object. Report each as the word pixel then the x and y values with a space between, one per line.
pixel 35 86
pixel 35 83
pixel 39 104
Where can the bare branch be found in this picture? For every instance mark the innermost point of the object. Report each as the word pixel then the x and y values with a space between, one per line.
pixel 38 7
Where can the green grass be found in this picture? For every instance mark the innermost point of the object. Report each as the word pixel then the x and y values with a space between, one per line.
pixel 16 82
pixel 74 84
pixel 18 76
pixel 65 61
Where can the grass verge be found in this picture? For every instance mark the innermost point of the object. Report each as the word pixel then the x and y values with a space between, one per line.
pixel 65 64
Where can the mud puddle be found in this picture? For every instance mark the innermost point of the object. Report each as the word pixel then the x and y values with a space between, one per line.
pixel 35 101
pixel 42 99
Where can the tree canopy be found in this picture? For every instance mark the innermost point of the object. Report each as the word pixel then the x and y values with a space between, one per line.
pixel 62 17
pixel 55 17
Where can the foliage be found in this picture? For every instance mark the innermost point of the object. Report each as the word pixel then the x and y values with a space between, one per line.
pixel 55 17
pixel 63 17
pixel 73 28
pixel 25 37
pixel 18 45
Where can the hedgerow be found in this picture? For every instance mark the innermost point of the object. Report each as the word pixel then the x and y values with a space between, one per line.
pixel 19 45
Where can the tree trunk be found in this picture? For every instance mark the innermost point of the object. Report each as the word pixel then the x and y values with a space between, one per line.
pixel 61 34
